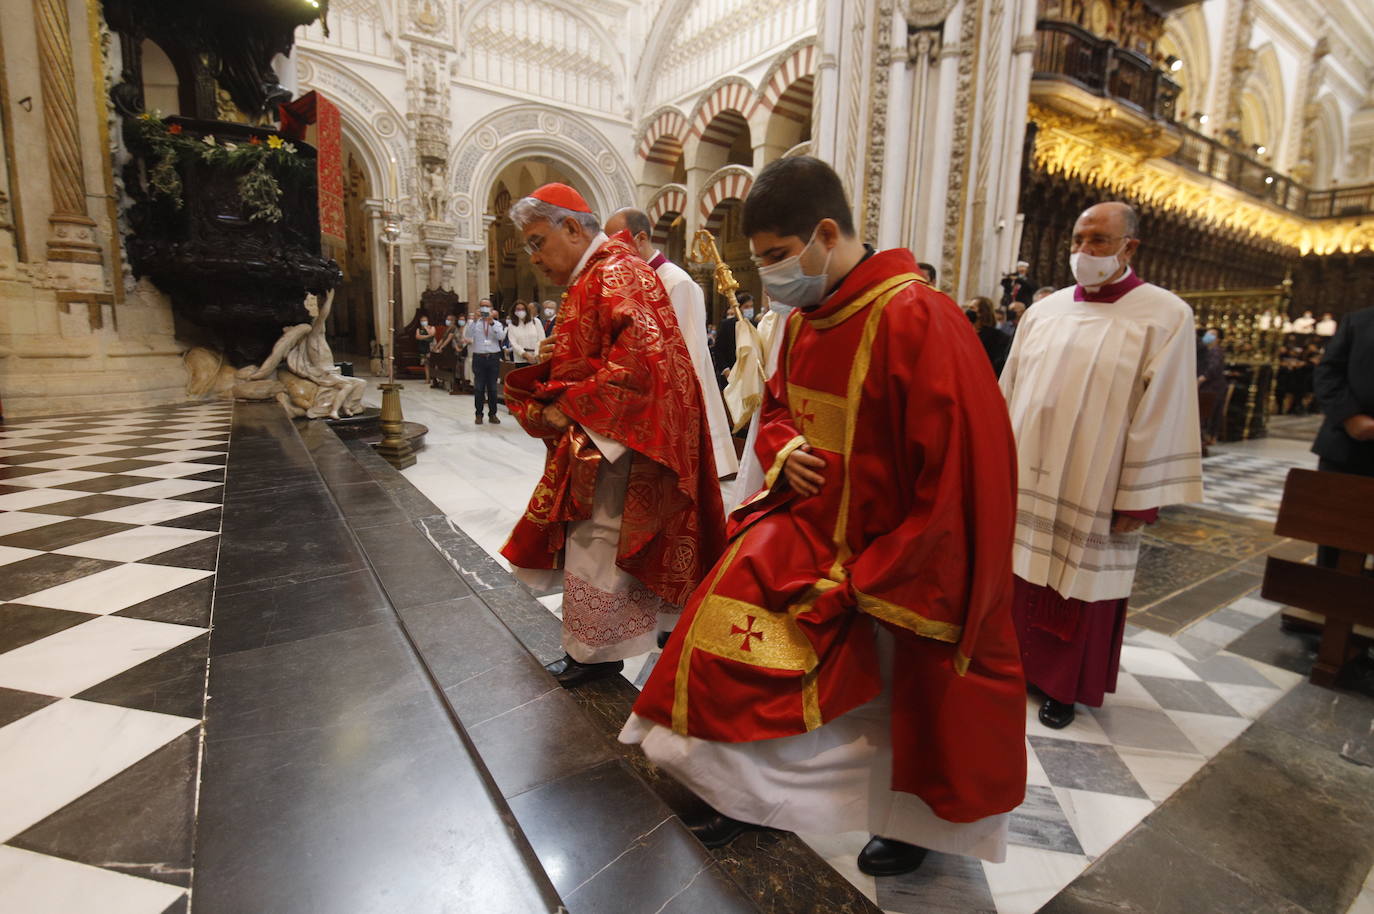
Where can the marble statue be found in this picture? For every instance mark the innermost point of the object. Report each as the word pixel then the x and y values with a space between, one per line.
pixel 307 355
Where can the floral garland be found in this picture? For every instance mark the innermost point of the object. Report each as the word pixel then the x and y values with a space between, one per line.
pixel 258 186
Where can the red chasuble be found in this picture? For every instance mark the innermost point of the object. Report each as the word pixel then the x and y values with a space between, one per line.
pixel 912 530
pixel 621 369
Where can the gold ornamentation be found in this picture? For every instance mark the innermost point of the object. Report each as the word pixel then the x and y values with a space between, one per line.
pixel 820 417
pixel 704 251
pixel 1106 159
pixel 755 635
pixel 770 478
pixel 882 609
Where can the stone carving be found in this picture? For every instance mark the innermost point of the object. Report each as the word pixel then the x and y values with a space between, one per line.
pixel 434 191
pixel 877 106
pixel 308 357
pixel 927 14
pixel 959 144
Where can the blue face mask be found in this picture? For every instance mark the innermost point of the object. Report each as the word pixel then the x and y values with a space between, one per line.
pixel 748 313
pixel 1209 338
pixel 788 283
pixel 779 308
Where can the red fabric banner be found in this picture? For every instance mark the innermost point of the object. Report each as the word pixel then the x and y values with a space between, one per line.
pixel 296 120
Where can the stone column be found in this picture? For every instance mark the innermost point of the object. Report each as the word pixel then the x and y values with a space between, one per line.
pixel 72 235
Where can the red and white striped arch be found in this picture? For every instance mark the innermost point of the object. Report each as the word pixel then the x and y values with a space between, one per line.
pixel 730 183
pixel 668 204
pixel 733 97
pixel 800 64
pixel 663 138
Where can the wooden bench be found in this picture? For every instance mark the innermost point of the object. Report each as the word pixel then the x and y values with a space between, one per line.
pixel 1335 510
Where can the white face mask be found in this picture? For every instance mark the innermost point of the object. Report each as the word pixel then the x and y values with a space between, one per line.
pixel 449 322
pixel 787 282
pixel 520 313
pixel 779 308
pixel 424 323
pixel 484 310
pixel 548 312
pixel 462 323
pixel 1093 271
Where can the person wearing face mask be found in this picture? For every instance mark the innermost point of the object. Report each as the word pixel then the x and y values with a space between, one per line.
pixel 424 338
pixel 450 346
pixel 1102 388
pixel 525 335
pixel 549 317
pixel 484 337
pixel 851 662
pixel 1211 386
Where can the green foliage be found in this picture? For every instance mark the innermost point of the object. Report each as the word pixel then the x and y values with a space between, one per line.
pixel 261 163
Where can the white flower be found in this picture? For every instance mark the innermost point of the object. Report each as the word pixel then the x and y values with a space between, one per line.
pixel 208 139
pixel 230 146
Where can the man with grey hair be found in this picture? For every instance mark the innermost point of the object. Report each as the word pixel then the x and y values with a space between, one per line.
pixel 1102 389
pixel 689 304
pixel 628 514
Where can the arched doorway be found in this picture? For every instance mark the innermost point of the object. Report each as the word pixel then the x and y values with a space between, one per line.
pixel 352 323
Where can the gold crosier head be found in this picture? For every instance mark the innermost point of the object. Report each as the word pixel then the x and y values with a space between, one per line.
pixel 704 250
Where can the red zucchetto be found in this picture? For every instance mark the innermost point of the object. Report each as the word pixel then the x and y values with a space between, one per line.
pixel 562 195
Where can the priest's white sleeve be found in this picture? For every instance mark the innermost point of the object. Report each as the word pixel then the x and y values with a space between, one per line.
pixel 1162 462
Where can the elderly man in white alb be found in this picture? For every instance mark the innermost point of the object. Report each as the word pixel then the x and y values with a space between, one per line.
pixel 1101 385
pixel 689 304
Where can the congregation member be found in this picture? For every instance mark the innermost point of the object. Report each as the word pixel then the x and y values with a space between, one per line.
pixel 995 342
pixel 1327 325
pixel 1103 398
pixel 619 408
pixel 484 337
pixel 689 305
pixel 525 333
pixel 424 341
pixel 1211 386
pixel 1344 383
pixel 851 662
pixel 1018 285
pixel 550 315
pixel 451 338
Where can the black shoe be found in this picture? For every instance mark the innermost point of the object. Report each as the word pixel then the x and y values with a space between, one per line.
pixel 570 673
pixel 663 639
pixel 886 857
pixel 495 420
pixel 716 829
pixel 479 420
pixel 1056 714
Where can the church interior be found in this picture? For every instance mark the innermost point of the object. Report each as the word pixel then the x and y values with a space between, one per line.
pixel 263 647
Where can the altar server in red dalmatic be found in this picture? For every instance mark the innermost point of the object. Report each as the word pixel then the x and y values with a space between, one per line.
pixel 628 513
pixel 851 662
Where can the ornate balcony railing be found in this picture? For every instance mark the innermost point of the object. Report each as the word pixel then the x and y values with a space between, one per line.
pixel 1340 201
pixel 1069 52
pixel 1225 163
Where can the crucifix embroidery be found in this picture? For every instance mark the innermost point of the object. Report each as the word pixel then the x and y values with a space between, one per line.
pixel 1039 471
pixel 805 414
pixel 747 633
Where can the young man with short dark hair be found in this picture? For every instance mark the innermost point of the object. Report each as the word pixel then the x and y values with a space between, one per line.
pixel 850 663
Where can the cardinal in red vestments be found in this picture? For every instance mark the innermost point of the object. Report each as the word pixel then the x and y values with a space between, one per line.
pixel 628 513
pixel 851 663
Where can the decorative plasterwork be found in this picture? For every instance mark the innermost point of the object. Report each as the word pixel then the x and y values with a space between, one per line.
pixel 730 182
pixel 871 206
pixel 1065 147
pixel 957 194
pixel 532 131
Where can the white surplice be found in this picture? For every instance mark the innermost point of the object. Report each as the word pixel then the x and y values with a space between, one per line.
pixel 836 778
pixel 1103 402
pixel 689 304
pixel 751 472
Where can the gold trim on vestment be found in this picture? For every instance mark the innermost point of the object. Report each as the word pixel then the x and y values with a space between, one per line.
pixel 858 304
pixel 771 477
pixel 879 608
pixel 684 660
pixel 751 634
pixel 821 417
pixel 961 662
pixel 858 373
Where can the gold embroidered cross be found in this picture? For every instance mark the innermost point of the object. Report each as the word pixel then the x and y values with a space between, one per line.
pixel 747 633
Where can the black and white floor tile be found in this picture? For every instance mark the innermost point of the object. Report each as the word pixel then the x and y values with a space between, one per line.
pixel 109 529
pixel 1247 484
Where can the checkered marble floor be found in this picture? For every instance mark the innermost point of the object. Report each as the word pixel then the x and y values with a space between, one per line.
pixel 109 532
pixel 1245 484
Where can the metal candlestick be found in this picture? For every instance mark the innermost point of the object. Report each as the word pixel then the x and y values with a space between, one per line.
pixel 394 447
